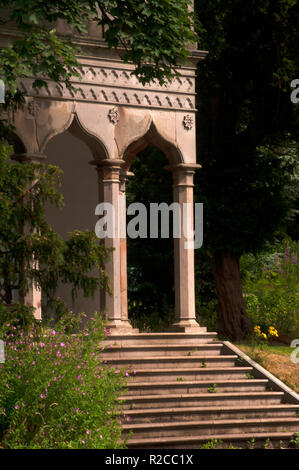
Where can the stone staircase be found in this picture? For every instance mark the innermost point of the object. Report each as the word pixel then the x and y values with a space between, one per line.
pixel 187 389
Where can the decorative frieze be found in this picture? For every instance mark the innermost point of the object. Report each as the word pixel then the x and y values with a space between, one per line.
pixel 119 87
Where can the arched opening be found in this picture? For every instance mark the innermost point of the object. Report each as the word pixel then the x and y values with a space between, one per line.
pixel 183 241
pixel 150 261
pixel 73 151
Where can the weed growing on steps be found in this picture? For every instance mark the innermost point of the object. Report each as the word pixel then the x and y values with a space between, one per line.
pixel 294 442
pixel 249 376
pixel 251 443
pixel 213 388
pixel 212 444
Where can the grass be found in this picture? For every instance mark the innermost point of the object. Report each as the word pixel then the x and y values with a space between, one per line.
pixel 276 359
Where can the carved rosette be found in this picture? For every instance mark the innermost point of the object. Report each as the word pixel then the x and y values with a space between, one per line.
pixel 113 115
pixel 33 108
pixel 188 122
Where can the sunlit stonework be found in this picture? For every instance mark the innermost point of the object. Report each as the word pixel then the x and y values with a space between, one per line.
pixel 77 126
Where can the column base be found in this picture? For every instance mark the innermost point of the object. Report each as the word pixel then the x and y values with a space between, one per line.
pixel 186 326
pixel 120 327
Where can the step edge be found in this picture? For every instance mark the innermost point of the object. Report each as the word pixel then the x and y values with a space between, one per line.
pixel 196 383
pixel 208 409
pixel 171 358
pixel 222 437
pixel 187 369
pixel 201 395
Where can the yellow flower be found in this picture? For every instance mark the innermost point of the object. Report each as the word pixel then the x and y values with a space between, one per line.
pixel 264 335
pixel 273 331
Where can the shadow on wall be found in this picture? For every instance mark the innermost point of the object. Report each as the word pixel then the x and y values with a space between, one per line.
pixel 80 192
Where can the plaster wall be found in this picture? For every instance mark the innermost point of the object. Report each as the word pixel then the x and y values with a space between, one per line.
pixel 80 191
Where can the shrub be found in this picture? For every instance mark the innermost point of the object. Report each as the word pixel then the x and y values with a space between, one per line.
pixel 271 288
pixel 56 391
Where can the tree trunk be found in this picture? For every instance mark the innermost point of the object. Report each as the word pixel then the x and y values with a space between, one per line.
pixel 233 321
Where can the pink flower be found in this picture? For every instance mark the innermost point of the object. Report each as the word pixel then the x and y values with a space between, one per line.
pixel 83 442
pixel 87 432
pixel 42 396
pixel 42 345
pixel 116 371
pixel 16 407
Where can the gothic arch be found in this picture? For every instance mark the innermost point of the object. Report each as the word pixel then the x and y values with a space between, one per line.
pixel 152 137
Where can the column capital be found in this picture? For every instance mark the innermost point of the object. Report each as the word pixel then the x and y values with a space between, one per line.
pixel 109 170
pixel 183 167
pixel 183 173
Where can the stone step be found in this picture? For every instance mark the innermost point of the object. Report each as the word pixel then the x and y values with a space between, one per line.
pixel 209 428
pixel 204 386
pixel 163 339
pixel 242 440
pixel 167 362
pixel 206 413
pixel 179 374
pixel 202 399
pixel 141 351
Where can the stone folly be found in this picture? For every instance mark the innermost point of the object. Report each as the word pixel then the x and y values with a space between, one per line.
pixel 115 117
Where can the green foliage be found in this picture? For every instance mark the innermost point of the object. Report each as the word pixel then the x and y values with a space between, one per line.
pixel 267 444
pixel 17 314
pixel 212 444
pixel 251 443
pixel 271 287
pixel 152 34
pixel 248 124
pixel 56 391
pixel 205 289
pixel 248 129
pixel 156 320
pixel 213 389
pixel 294 442
pixel 30 251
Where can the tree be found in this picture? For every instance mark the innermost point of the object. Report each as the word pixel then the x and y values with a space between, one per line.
pixel 30 251
pixel 247 129
pixel 152 34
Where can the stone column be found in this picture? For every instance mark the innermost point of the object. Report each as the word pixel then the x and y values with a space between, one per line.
pixel 112 190
pixel 183 250
pixel 124 175
pixel 33 298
